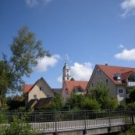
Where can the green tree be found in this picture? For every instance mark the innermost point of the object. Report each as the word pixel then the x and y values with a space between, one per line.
pixel 26 51
pixel 4 81
pixel 109 103
pixel 101 94
pixel 56 104
pixel 90 104
pixel 75 101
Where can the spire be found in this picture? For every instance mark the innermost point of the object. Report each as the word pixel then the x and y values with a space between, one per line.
pixel 66 72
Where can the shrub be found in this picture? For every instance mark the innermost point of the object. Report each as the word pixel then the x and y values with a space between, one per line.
pixel 90 104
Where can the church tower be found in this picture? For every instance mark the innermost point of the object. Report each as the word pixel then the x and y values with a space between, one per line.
pixel 66 72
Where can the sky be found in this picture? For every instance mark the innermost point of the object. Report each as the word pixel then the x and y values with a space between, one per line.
pixel 82 32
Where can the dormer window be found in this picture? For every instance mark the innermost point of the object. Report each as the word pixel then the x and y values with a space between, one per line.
pixel 117 77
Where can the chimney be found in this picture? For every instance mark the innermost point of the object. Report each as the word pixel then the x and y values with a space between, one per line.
pixel 106 64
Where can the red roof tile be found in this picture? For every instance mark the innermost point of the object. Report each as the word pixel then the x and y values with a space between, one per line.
pixel 27 88
pixel 70 85
pixel 111 70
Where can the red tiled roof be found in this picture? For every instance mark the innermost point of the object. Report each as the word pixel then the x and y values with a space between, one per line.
pixel 126 74
pixel 70 85
pixel 27 88
pixel 111 70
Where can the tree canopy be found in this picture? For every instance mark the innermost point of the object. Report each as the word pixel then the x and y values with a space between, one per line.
pixel 26 51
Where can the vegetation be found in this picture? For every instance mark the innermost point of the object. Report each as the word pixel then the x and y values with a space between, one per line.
pixel 90 104
pixel 75 101
pixel 101 94
pixel 17 127
pixel 56 104
pixel 132 94
pixel 26 50
pixel 130 131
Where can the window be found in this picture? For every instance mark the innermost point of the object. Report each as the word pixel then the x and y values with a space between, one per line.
pixel 35 96
pixel 106 81
pixel 41 88
pixel 120 90
pixel 92 84
pixel 99 72
pixel 66 90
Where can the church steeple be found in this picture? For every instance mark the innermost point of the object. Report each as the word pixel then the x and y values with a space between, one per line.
pixel 66 72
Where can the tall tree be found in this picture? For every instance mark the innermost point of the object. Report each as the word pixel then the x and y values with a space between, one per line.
pixel 26 50
pixel 101 94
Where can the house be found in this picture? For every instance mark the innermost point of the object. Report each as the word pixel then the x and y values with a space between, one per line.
pixel 40 94
pixel 118 79
pixel 40 89
pixel 70 85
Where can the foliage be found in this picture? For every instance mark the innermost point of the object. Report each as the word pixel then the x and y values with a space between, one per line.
pixel 130 131
pixel 131 106
pixel 100 92
pixel 26 51
pixel 90 104
pixel 56 104
pixel 109 103
pixel 132 94
pixel 72 79
pixel 5 80
pixel 16 102
pixel 17 127
pixel 75 101
pixel 3 118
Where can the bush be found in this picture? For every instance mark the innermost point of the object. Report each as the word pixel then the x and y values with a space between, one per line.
pixel 90 104
pixel 131 106
pixel 17 127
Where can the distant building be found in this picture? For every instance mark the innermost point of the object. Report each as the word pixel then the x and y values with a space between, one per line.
pixel 40 89
pixel 118 79
pixel 39 94
pixel 71 86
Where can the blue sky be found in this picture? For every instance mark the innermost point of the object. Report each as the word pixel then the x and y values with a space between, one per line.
pixel 86 32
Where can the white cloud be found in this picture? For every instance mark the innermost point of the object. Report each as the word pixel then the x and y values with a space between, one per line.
pixel 33 3
pixel 128 6
pixel 59 79
pixel 46 62
pixel 121 46
pixel 81 71
pixel 126 55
